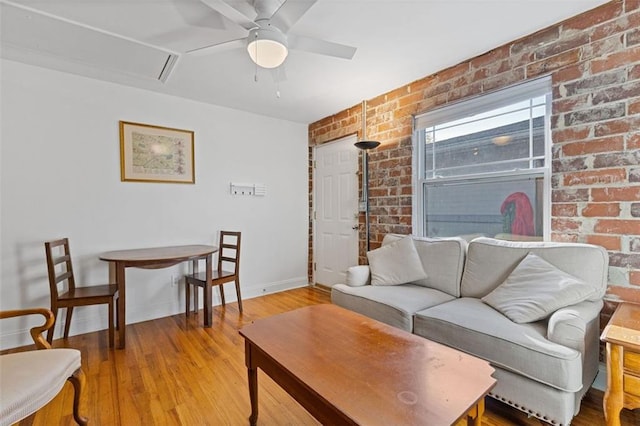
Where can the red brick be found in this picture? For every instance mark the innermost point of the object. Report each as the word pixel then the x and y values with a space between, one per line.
pixel 630 5
pixel 601 210
pixel 504 79
pixel 421 84
pixel 535 40
pixel 617 159
pixel 626 294
pixel 625 91
pixel 616 60
pixel 410 99
pixel 633 37
pixel 569 104
pixel 612 127
pixel 569 195
pixel 564 209
pixel 589 84
pixel 621 24
pixel 564 238
pixel 595 114
pixel 634 141
pixel 634 277
pixel 594 17
pixel 595 177
pixel 617 226
pixel 614 143
pixel 628 193
pixel 609 242
pixel 634 106
pixel 567 165
pixel 564 224
pixel 624 260
pixel 438 89
pixel 546 65
pixel 570 134
pixel 569 73
pixel 521 59
pixel 561 45
pixel 454 71
pixel 601 48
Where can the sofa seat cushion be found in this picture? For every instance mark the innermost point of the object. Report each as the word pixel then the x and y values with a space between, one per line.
pixel 393 305
pixel 471 326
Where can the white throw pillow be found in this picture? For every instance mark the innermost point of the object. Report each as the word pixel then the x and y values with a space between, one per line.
pixel 536 289
pixel 358 276
pixel 396 263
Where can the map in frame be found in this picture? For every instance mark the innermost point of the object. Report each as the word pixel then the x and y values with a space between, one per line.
pixel 156 154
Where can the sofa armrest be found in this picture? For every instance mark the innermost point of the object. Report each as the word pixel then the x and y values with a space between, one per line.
pixel 570 326
pixel 358 275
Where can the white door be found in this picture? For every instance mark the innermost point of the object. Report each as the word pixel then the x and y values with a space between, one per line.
pixel 336 210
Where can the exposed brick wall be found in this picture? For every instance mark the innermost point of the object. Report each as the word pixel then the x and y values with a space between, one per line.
pixel 594 62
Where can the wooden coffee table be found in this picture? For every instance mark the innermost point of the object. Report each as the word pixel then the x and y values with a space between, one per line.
pixel 347 369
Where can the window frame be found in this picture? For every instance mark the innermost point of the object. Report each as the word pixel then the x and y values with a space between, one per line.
pixel 468 107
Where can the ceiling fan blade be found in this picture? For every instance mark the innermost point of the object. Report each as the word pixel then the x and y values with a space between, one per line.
pixel 321 47
pixel 230 13
pixel 218 47
pixel 290 12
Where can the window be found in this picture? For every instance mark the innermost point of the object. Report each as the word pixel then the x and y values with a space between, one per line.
pixel 482 165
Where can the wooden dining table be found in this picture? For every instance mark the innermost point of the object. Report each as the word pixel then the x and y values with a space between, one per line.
pixel 156 258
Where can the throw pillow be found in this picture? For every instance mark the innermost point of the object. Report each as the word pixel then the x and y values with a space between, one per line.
pixel 358 275
pixel 396 263
pixel 536 289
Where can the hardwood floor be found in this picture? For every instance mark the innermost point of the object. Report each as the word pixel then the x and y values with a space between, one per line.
pixel 175 372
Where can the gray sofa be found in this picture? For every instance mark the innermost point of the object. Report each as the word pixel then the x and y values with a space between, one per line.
pixel 542 367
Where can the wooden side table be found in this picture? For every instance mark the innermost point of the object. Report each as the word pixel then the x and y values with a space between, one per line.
pixel 622 336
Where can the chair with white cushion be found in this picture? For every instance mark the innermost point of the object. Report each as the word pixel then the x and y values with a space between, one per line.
pixel 30 380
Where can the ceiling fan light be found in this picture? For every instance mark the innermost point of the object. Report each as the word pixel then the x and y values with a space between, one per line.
pixel 267 47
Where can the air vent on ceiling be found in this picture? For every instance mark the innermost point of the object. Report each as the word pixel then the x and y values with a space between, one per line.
pixel 38 33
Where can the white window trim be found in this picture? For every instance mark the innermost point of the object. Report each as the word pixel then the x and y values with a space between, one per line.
pixel 465 108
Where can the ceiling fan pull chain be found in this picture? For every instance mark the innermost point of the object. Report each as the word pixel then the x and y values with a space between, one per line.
pixel 255 78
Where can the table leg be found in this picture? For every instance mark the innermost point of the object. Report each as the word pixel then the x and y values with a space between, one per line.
pixel 613 397
pixel 208 290
pixel 120 280
pixel 252 373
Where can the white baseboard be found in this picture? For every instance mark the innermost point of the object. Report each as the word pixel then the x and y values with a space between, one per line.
pixel 94 318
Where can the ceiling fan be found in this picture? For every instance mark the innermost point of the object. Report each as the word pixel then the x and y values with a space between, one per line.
pixel 268 39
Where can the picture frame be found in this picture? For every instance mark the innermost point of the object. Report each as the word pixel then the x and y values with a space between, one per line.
pixel 151 153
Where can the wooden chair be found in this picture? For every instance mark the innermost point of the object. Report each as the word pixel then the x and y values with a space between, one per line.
pixel 31 379
pixel 58 254
pixel 229 253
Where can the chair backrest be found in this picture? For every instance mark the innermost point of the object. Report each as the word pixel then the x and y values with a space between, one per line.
pixel 229 250
pixel 58 254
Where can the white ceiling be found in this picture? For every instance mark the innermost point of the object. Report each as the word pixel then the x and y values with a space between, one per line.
pixel 397 41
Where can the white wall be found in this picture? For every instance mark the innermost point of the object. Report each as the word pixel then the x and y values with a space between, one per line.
pixel 60 177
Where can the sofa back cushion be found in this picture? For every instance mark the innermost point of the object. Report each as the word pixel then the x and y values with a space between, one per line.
pixel 490 261
pixel 442 260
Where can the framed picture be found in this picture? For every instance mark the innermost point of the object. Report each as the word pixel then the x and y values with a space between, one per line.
pixel 155 154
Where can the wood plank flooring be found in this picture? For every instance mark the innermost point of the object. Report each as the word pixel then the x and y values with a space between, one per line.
pixel 175 372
